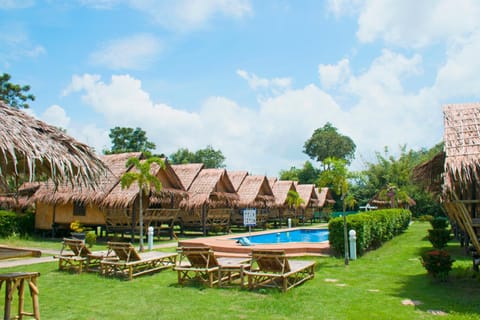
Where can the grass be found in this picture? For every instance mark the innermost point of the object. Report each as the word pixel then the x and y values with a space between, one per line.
pixel 372 287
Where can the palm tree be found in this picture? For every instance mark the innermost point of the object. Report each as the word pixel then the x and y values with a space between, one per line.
pixel 144 179
pixel 294 200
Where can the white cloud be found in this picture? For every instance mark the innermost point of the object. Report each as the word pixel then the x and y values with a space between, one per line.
pixel 100 4
pixel 15 44
pixel 56 116
pixel 343 7
pixel 412 23
pixel 333 75
pixel 273 86
pixel 16 4
pixel 187 15
pixel 133 52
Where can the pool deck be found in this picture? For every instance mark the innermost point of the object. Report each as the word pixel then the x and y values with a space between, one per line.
pixel 226 246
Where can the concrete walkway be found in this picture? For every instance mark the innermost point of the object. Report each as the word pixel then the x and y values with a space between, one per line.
pixel 16 262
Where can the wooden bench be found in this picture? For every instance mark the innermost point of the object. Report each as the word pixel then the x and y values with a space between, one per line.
pixel 15 281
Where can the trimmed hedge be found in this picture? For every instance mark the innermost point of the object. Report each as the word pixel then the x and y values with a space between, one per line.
pixel 373 228
pixel 11 222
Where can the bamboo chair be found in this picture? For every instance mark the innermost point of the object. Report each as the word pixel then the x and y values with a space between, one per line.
pixel 80 257
pixel 271 268
pixel 131 263
pixel 201 264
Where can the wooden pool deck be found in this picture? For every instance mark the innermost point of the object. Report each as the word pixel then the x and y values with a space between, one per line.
pixel 227 246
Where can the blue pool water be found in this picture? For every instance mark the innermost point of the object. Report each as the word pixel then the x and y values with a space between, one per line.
pixel 298 235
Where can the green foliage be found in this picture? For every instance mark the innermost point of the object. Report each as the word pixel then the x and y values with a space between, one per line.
pixel 293 199
pixel 439 237
pixel 8 223
pixel 129 140
pixel 439 223
pixel 91 238
pixel 26 223
pixel 425 218
pixel 306 175
pixel 15 95
pixel 210 157
pixel 326 142
pixel 373 228
pixel 438 263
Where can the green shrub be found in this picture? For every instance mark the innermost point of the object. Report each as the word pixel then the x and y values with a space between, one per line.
pixel 438 263
pixel 425 218
pixel 373 228
pixel 26 223
pixel 439 237
pixel 8 223
pixel 91 238
pixel 439 223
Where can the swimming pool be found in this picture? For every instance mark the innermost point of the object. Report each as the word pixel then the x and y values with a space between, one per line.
pixel 297 235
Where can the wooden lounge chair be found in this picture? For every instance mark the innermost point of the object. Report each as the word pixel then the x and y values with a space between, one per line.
pixel 201 264
pixel 271 268
pixel 131 263
pixel 80 257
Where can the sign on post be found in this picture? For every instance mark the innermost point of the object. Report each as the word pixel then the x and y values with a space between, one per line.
pixel 249 217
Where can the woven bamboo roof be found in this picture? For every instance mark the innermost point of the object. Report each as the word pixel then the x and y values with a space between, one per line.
pixel 187 172
pixel 309 195
pixel 65 193
pixel 325 197
pixel 237 178
pixel 280 191
pixel 31 147
pixel 212 187
pixel 461 145
pixel 255 191
pixel 430 173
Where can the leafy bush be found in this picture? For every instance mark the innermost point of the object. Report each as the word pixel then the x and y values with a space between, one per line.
pixel 8 223
pixel 26 223
pixel 91 238
pixel 438 263
pixel 425 218
pixel 373 228
pixel 439 223
pixel 439 237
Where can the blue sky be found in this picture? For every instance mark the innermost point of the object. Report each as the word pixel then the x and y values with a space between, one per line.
pixel 251 78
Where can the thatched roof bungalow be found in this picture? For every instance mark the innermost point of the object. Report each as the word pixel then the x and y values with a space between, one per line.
pixel 35 149
pixel 237 178
pixel 19 200
pixel 309 195
pixel 282 210
pixel 325 197
pixel 211 198
pixel 187 172
pixel 254 192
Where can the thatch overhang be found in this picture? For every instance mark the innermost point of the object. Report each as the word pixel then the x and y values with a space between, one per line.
pixel 325 197
pixel 309 195
pixel 50 193
pixel 33 148
pixel 462 147
pixel 237 177
pixel 187 172
pixel 255 192
pixel 280 191
pixel 212 187
pixel 173 191
pixel 383 201
pixel 430 173
pixel 20 199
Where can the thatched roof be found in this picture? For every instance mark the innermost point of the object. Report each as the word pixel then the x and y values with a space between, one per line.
pixel 462 146
pixel 212 187
pixel 325 197
pixel 280 190
pixel 187 172
pixel 309 195
pixel 384 201
pixel 31 147
pixel 25 191
pixel 237 178
pixel 430 173
pixel 65 193
pixel 255 191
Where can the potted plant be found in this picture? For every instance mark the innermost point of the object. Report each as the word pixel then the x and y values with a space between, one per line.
pixel 78 230
pixel 90 238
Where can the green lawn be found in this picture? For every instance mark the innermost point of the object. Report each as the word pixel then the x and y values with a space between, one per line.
pixel 372 287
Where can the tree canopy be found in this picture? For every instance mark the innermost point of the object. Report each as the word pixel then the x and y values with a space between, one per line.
pixel 327 142
pixel 126 139
pixel 210 157
pixel 15 95
pixel 306 175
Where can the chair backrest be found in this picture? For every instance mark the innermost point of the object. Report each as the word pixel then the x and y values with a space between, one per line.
pixel 124 251
pixel 199 257
pixel 77 246
pixel 271 260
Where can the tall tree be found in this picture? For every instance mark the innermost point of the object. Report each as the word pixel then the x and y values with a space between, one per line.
pixel 126 139
pixel 182 156
pixel 14 95
pixel 142 175
pixel 210 157
pixel 308 174
pixel 327 142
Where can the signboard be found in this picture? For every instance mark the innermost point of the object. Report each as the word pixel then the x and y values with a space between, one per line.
pixel 249 217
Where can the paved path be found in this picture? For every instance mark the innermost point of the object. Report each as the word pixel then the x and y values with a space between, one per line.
pixel 15 262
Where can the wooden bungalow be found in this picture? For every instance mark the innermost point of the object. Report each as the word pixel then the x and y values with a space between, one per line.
pixel 310 203
pixel 382 200
pixel 20 200
pixel 211 198
pixel 187 172
pixel 458 179
pixel 325 202
pixel 59 205
pixel 237 178
pixel 282 210
pixel 254 192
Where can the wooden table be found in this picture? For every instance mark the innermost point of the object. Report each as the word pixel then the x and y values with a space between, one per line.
pixel 16 281
pixel 231 268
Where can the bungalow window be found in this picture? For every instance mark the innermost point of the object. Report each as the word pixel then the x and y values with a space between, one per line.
pixel 79 208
